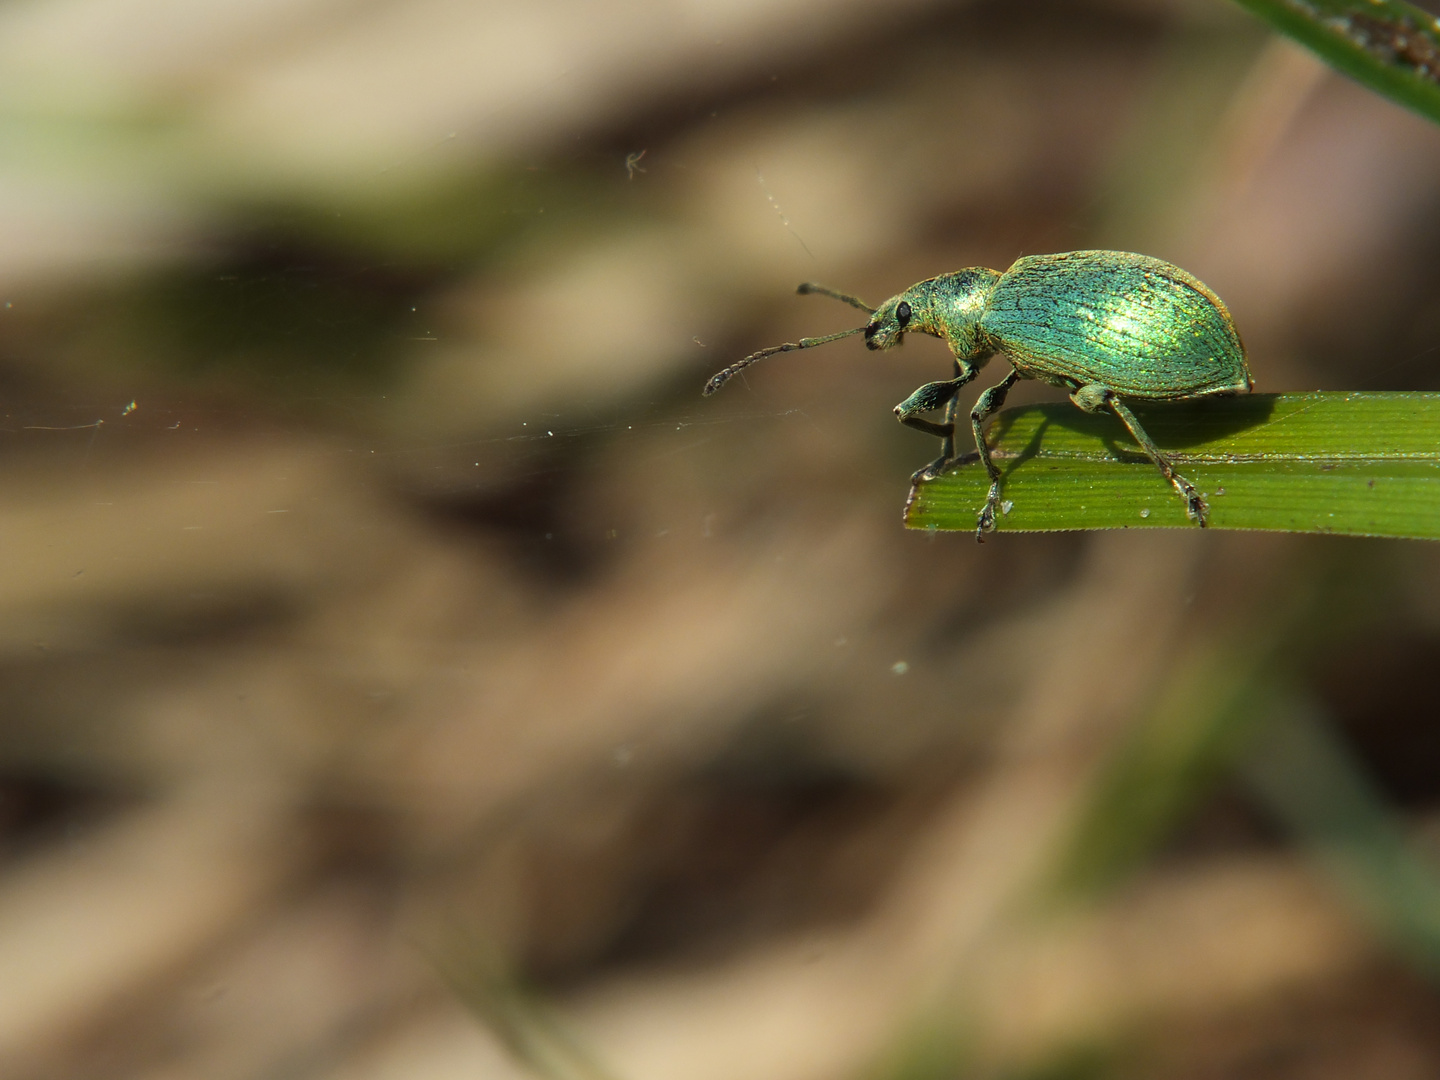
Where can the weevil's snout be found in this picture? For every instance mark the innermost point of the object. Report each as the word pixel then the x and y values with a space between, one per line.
pixel 887 328
pixel 879 336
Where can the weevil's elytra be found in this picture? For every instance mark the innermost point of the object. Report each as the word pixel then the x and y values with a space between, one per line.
pixel 1104 325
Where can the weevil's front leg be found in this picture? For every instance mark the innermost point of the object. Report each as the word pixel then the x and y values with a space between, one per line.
pixel 986 404
pixel 1094 397
pixel 933 396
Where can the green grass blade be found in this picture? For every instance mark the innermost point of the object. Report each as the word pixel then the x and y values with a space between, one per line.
pixel 1364 464
pixel 1388 45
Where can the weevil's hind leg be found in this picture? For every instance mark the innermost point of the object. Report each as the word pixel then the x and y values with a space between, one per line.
pixel 987 403
pixel 1094 397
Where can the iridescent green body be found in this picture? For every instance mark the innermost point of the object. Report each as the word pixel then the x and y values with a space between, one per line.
pixel 1139 326
pixel 1104 325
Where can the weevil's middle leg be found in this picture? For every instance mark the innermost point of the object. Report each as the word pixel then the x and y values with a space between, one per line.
pixel 1091 398
pixel 987 403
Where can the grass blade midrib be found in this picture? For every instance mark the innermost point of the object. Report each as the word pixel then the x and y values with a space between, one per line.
pixel 1180 457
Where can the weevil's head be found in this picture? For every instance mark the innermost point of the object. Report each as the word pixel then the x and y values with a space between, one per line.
pixel 910 310
pixel 949 306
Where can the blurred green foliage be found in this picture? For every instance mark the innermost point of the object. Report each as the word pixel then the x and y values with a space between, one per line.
pixel 1169 761
pixel 1389 45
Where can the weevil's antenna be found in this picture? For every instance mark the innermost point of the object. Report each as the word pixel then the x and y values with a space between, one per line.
pixel 807 287
pixel 720 378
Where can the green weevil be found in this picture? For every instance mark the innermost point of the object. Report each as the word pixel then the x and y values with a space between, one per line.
pixel 1104 325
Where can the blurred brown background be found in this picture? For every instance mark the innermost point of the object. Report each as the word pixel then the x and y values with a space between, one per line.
pixel 407 674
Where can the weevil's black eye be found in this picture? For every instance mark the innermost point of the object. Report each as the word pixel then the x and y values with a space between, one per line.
pixel 902 314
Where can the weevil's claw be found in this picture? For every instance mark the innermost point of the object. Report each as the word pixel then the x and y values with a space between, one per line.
pixel 1196 509
pixel 986 522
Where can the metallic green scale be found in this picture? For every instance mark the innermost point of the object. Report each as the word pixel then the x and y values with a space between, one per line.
pixel 1104 325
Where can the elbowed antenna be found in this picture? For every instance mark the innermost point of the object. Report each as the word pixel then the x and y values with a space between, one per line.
pixel 807 287
pixel 720 378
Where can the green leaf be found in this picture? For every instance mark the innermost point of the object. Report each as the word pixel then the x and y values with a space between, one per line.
pixel 1390 46
pixel 1365 464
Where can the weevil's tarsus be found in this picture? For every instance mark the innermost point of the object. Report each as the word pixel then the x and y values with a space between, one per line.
pixel 808 287
pixel 989 400
pixel 720 378
pixel 946 433
pixel 1094 398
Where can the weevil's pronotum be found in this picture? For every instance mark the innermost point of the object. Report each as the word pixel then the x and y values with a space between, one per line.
pixel 1105 325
